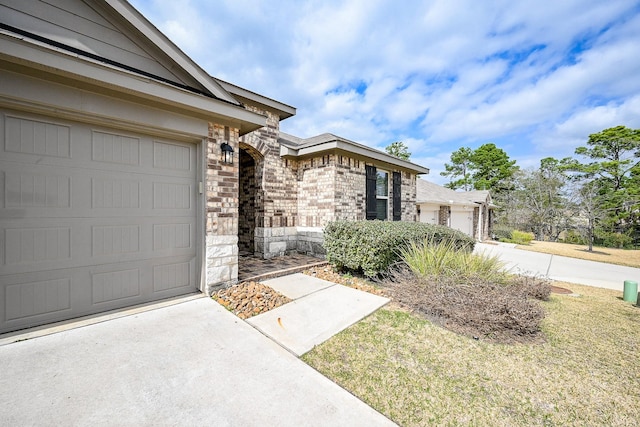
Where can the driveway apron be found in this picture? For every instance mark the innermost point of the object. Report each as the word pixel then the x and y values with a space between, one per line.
pixel 192 363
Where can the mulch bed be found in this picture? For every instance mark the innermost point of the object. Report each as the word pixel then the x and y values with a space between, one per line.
pixel 559 290
pixel 251 298
pixel 329 274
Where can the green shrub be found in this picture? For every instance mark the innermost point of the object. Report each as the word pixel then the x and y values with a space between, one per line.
pixel 573 236
pixel 610 239
pixel 521 237
pixel 372 246
pixel 501 231
pixel 443 259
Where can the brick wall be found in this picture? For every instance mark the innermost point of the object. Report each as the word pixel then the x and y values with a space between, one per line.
pixel 409 209
pixel 221 190
pixel 350 195
pixel 316 191
pixel 443 215
pixel 276 189
pixel 332 187
pixel 278 183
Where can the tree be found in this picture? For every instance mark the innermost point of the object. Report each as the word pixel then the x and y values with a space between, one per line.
pixel 541 197
pixel 461 165
pixel 398 149
pixel 612 167
pixel 492 168
pixel 589 202
pixel 485 168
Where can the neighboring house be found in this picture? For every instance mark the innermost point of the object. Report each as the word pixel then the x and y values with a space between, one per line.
pixel 468 211
pixel 128 174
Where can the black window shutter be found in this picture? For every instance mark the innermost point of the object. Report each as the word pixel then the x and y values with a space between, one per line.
pixel 397 196
pixel 371 192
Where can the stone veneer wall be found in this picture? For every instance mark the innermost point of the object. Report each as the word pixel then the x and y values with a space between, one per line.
pixel 221 187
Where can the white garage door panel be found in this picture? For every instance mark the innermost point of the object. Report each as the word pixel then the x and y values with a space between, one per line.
pixel 462 221
pixel 91 220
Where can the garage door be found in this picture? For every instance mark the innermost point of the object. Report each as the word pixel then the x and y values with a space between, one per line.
pixel 92 219
pixel 462 221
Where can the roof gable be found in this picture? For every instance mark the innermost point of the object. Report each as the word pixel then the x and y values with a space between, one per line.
pixel 115 31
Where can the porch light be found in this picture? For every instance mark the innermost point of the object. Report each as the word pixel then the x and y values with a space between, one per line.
pixel 227 153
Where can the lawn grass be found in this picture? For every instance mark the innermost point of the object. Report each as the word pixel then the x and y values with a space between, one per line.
pixel 628 257
pixel 587 372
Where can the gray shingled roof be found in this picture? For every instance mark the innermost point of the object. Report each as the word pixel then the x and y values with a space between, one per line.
pixel 428 192
pixel 294 147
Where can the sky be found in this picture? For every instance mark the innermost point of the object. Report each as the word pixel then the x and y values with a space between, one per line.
pixel 536 78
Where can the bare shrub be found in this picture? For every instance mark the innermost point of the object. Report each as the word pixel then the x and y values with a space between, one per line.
pixel 534 287
pixel 475 307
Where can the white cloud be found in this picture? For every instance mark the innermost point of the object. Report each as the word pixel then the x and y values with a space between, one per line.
pixel 438 74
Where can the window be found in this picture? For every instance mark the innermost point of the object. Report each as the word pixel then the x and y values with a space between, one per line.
pixel 397 196
pixel 377 194
pixel 382 194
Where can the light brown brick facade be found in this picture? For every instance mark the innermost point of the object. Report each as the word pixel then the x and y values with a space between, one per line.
pixel 269 205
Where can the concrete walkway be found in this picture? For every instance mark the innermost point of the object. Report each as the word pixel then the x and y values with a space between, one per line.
pixel 191 364
pixel 573 270
pixel 320 310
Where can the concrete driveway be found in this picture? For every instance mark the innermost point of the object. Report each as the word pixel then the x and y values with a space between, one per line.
pixel 562 268
pixel 188 364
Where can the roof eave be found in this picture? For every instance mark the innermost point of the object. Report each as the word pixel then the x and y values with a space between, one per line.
pixel 341 145
pixel 146 28
pixel 283 111
pixel 41 60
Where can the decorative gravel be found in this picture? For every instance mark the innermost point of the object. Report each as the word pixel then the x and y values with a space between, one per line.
pixel 248 299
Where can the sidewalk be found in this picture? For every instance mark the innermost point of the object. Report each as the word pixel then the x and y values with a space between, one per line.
pixel 320 310
pixel 573 270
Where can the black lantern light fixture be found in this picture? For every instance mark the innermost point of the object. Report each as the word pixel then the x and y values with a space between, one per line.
pixel 227 153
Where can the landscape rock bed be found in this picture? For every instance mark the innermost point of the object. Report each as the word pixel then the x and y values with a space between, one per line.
pixel 248 299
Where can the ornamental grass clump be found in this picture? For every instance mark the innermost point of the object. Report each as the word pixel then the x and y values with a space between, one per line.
pixel 446 259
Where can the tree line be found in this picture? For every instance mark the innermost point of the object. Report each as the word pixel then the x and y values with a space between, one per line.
pixel 591 198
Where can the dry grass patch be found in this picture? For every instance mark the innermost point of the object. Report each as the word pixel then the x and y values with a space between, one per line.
pixel 628 257
pixel 586 373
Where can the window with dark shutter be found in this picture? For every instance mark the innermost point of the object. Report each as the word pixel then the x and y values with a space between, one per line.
pixel 371 204
pixel 397 196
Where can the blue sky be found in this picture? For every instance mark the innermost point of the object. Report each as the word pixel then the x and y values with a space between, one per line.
pixel 535 78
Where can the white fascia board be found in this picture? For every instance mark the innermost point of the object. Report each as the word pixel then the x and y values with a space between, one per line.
pixel 57 61
pixel 136 19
